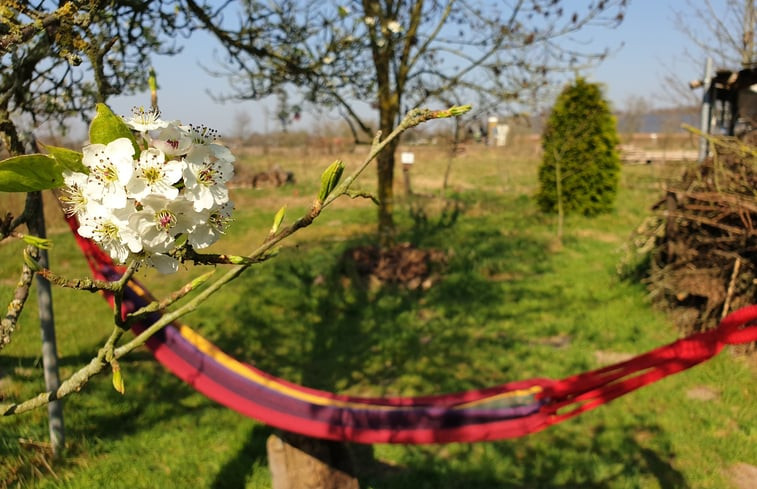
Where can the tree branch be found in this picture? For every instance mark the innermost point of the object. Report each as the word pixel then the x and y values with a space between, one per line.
pixel 109 354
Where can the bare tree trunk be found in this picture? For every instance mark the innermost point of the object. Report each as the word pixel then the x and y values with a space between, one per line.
pixel 386 227
pixel 452 153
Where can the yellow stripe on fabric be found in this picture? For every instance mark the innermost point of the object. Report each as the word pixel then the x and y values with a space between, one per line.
pixel 229 362
pixel 208 348
pixel 530 392
pixel 237 367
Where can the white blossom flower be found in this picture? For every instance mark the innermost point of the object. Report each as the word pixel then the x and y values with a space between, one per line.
pixel 204 186
pixel 203 134
pixel 210 226
pixel 328 59
pixel 165 264
pixel 110 169
pixel 208 169
pixel 393 26
pixel 111 230
pixel 144 120
pixel 155 175
pixel 370 21
pixel 73 195
pixel 174 139
pixel 173 195
pixel 160 221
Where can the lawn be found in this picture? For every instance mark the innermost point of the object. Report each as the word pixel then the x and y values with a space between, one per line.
pixel 511 303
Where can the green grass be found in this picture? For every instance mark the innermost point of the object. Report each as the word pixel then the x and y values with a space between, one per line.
pixel 507 289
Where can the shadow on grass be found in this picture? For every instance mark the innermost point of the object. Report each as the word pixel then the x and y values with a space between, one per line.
pixel 158 396
pixel 311 319
pixel 236 470
pixel 553 459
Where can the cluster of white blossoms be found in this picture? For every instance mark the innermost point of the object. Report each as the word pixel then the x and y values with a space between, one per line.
pixel 145 207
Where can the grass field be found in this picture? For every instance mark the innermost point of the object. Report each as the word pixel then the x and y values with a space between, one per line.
pixel 512 303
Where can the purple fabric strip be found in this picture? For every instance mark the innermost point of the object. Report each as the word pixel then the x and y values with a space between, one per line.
pixel 428 417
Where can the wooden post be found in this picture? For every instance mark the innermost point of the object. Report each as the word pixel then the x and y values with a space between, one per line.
pixel 407 159
pixel 301 462
pixel 406 173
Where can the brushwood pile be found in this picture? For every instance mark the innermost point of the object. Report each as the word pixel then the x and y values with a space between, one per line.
pixel 698 252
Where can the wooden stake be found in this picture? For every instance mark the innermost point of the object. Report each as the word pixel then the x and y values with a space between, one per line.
pixel 300 462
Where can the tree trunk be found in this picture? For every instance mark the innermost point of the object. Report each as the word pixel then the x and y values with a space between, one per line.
pixel 47 329
pixel 300 462
pixel 386 228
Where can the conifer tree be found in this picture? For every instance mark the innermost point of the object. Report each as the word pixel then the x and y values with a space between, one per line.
pixel 580 168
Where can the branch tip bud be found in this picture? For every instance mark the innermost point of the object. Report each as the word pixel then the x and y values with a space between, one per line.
pixel 118 379
pixel 330 179
pixel 278 219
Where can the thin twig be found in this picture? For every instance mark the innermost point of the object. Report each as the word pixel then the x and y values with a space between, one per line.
pixel 163 305
pixel 16 305
pixel 86 284
pixel 118 294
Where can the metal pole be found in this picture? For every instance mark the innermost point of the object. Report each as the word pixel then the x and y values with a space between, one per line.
pixel 47 327
pixel 705 122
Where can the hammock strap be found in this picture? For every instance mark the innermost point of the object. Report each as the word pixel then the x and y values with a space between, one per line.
pixel 574 395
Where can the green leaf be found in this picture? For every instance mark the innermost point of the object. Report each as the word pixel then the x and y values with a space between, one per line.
pixel 31 262
pixel 37 242
pixel 278 219
pixel 330 179
pixel 106 127
pixel 29 173
pixel 67 158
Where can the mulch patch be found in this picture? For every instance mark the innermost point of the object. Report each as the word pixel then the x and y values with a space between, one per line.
pixel 402 264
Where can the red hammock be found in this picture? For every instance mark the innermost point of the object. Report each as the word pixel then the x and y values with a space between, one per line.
pixel 504 411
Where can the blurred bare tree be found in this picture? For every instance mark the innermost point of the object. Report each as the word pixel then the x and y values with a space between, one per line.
pixel 721 30
pixel 395 55
pixel 57 59
pixel 635 109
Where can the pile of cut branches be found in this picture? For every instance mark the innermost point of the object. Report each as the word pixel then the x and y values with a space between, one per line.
pixel 700 248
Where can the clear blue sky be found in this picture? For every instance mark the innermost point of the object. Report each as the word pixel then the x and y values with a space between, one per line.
pixel 643 46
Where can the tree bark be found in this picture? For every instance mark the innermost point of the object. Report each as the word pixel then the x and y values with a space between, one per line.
pixel 385 168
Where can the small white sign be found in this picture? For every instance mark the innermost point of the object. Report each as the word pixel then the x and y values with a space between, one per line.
pixel 407 158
